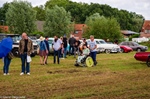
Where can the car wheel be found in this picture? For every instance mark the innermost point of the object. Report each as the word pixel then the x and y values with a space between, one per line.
pixel 148 61
pixel 121 50
pixel 15 52
pixel 138 50
pixel 107 51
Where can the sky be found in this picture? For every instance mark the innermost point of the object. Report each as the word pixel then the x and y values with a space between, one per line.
pixel 138 6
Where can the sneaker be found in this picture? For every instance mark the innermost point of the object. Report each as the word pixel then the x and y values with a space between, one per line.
pixel 8 74
pixel 4 74
pixel 22 73
pixel 28 73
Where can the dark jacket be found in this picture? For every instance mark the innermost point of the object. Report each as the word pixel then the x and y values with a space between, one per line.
pixel 47 44
pixel 72 41
pixel 65 42
pixel 29 46
pixel 77 43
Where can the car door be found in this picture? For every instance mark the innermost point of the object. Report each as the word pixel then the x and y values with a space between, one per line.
pixel 132 45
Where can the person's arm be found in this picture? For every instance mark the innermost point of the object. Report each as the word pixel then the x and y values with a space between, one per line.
pixel 19 49
pixel 95 46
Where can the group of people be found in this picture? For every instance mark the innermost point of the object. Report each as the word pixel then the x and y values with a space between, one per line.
pixel 59 46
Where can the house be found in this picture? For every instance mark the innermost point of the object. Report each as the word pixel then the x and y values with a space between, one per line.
pixel 4 28
pixel 128 33
pixel 145 32
pixel 78 30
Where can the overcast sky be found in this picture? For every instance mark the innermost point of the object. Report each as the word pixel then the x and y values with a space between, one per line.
pixel 138 6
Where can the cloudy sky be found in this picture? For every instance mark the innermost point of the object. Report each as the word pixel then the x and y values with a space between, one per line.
pixel 139 6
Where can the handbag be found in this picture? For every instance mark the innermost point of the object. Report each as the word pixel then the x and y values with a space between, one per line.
pixel 29 59
pixel 10 55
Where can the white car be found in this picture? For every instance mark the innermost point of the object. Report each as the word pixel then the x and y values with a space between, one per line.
pixel 105 47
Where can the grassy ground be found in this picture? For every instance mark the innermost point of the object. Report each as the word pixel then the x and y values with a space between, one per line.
pixel 116 76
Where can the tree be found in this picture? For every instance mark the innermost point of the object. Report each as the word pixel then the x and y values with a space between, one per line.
pixel 40 12
pixel 58 21
pixel 3 11
pixel 21 17
pixel 101 27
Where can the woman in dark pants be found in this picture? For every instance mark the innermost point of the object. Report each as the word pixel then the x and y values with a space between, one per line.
pixel 57 45
pixel 7 61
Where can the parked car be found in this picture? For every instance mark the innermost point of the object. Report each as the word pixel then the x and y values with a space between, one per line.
pixel 143 56
pixel 105 47
pixel 125 49
pixel 16 38
pixel 135 46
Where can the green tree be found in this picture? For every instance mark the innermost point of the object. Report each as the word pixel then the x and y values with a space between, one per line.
pixel 101 27
pixel 60 3
pixel 40 12
pixel 21 17
pixel 58 21
pixel 3 11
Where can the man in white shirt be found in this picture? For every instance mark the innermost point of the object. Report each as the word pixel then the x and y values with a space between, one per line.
pixel 57 45
pixel 92 47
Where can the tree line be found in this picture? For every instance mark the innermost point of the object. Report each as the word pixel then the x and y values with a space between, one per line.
pixel 60 15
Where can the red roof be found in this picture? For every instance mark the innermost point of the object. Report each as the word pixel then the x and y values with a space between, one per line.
pixel 79 27
pixel 146 25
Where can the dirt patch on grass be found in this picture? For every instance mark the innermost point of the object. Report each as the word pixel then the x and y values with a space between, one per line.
pixel 64 71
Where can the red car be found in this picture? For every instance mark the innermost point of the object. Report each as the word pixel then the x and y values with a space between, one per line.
pixel 143 56
pixel 125 49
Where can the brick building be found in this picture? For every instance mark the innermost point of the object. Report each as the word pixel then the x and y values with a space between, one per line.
pixel 78 30
pixel 145 32
pixel 4 28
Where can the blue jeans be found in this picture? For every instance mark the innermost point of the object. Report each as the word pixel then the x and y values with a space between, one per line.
pixel 65 52
pixel 6 64
pixel 93 55
pixel 71 50
pixel 56 53
pixel 25 66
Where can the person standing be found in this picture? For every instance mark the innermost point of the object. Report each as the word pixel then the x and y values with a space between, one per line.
pixel 71 43
pixel 47 45
pixel 76 46
pixel 92 47
pixel 85 43
pixel 65 44
pixel 7 61
pixel 43 51
pixel 62 49
pixel 25 49
pixel 57 45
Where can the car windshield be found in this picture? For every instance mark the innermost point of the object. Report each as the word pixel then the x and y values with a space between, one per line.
pixel 136 44
pixel 102 42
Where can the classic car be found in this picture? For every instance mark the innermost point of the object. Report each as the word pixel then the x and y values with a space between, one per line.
pixel 105 47
pixel 135 46
pixel 143 56
pixel 125 49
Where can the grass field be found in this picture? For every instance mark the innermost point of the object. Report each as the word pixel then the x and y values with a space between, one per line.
pixel 117 76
